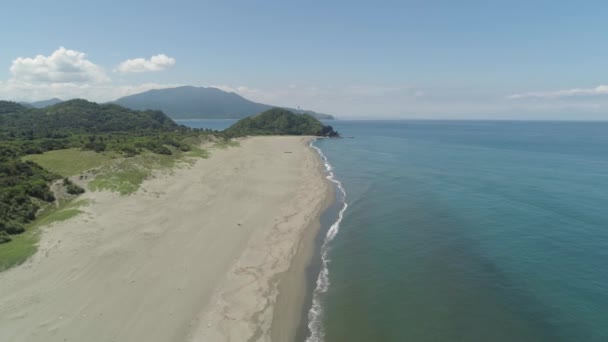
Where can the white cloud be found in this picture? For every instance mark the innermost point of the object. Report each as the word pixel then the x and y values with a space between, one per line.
pixel 62 66
pixel 68 74
pixel 599 90
pixel 155 63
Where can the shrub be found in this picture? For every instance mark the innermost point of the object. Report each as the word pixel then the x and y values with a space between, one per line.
pixel 4 237
pixel 12 227
pixel 72 188
pixel 129 151
pixel 162 150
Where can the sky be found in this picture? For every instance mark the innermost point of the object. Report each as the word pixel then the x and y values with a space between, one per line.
pixel 355 59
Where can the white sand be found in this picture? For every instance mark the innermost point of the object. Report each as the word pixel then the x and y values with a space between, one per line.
pixel 194 256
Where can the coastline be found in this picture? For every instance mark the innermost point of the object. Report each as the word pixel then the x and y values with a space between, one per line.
pixel 297 284
pixel 197 255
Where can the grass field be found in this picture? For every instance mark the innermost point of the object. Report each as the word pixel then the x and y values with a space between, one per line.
pixel 70 162
pixel 126 175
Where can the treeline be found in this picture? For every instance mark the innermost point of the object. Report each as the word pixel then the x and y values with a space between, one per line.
pixel 279 121
pixel 24 185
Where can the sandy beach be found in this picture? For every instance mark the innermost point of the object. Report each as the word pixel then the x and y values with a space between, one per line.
pixel 196 255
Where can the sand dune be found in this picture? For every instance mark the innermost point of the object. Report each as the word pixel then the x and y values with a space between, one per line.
pixel 192 256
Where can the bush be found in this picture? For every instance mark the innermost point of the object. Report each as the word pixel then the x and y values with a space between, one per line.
pixel 129 151
pixel 162 150
pixel 12 227
pixel 94 146
pixel 72 188
pixel 4 237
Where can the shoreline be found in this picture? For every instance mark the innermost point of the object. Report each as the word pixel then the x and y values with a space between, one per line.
pixel 206 253
pixel 298 283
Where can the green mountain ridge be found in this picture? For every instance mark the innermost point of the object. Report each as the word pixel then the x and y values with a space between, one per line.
pixel 279 121
pixel 78 116
pixel 75 124
pixel 43 103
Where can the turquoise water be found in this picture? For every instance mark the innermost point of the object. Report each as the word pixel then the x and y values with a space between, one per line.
pixel 468 231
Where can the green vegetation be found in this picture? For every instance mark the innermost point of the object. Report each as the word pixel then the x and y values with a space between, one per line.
pixel 225 143
pixel 18 250
pixel 72 188
pixel 24 245
pixel 70 162
pixel 278 121
pixel 125 175
pixel 23 189
pixel 39 146
pixel 62 212
pixel 124 182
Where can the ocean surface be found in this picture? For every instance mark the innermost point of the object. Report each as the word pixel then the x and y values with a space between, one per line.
pixel 468 231
pixel 465 231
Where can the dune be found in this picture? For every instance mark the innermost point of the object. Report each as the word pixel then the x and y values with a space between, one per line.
pixel 195 255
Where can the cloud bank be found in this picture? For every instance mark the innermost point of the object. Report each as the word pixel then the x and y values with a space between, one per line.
pixel 62 66
pixel 155 63
pixel 599 90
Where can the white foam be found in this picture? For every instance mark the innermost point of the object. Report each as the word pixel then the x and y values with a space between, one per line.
pixel 316 311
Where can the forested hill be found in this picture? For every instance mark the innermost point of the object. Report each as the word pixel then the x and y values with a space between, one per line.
pixel 279 121
pixel 10 107
pixel 76 124
pixel 189 102
pixel 76 116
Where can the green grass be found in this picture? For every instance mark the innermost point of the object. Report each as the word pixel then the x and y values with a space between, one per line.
pixel 197 152
pixel 225 143
pixel 24 245
pixel 18 250
pixel 126 175
pixel 124 182
pixel 70 162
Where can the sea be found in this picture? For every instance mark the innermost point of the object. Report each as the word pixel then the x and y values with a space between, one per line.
pixel 464 231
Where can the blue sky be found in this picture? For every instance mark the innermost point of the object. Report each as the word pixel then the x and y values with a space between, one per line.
pixel 381 59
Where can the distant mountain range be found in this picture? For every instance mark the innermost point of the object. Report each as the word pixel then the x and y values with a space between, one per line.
pixel 42 104
pixel 189 102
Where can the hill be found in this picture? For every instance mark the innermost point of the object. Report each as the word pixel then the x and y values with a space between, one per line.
pixel 189 102
pixel 76 116
pixel 7 107
pixel 45 103
pixel 77 125
pixel 279 121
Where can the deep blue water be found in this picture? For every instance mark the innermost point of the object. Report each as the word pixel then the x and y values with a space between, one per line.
pixel 469 231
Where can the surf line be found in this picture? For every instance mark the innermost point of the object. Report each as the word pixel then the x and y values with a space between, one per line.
pixel 315 314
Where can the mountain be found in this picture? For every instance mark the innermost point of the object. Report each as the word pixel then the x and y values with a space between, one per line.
pixel 41 104
pixel 189 102
pixel 279 121
pixel 45 103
